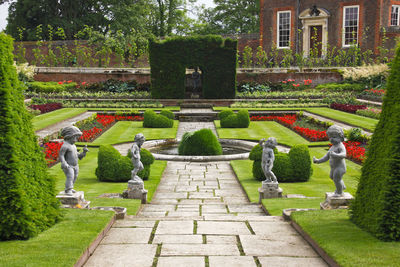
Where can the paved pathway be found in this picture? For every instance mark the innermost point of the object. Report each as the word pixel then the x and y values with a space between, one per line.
pixel 200 216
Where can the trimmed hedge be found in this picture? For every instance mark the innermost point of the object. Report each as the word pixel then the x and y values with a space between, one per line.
pixel 200 143
pixel 377 201
pixel 167 113
pixel 50 87
pixel 28 203
pixel 284 164
pixel 231 120
pixel 154 120
pixel 216 57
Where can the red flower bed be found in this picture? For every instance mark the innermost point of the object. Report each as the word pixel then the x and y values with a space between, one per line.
pixel 51 151
pixel 288 121
pixel 90 135
pixel 47 107
pixel 347 107
pixel 106 120
pixel 129 118
pixel 355 151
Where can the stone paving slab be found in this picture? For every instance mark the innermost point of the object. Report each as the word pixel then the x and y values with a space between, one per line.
pixel 178 239
pixel 244 208
pixel 183 213
pixel 152 213
pixel 173 227
pixel 272 228
pixel 137 255
pixel 291 262
pixel 237 261
pixel 221 239
pixel 164 208
pixel 127 236
pixel 134 223
pixel 199 250
pixel 222 228
pixel 181 261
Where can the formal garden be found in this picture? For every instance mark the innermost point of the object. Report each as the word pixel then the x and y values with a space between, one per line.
pixel 296 112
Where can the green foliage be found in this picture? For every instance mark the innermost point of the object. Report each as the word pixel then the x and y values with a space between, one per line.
pixel 300 161
pixel 215 56
pixel 341 87
pixel 27 193
pixel 231 120
pixel 200 143
pixel 282 168
pixel 49 87
pixel 258 173
pixel 355 134
pixel 153 120
pixel 111 166
pixel 377 202
pixel 167 113
pixel 147 159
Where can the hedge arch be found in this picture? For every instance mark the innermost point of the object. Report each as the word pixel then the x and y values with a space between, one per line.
pixel 215 56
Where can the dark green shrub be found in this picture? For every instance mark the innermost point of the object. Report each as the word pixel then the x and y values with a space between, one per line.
pixel 49 87
pixel 282 168
pixel 111 166
pixel 258 173
pixel 377 201
pixel 341 87
pixel 147 159
pixel 153 120
pixel 300 163
pixel 228 119
pixel 167 113
pixel 28 203
pixel 200 143
pixel 216 57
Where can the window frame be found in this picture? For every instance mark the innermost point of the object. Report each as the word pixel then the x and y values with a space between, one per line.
pixel 344 25
pixel 398 15
pixel 278 35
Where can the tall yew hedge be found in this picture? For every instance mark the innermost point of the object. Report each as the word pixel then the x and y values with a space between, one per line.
pixel 376 206
pixel 27 193
pixel 215 56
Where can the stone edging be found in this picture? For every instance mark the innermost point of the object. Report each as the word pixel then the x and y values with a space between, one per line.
pixel 92 247
pixel 321 252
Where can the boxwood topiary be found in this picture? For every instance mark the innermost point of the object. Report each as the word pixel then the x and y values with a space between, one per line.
pixel 153 120
pixel 282 168
pixel 376 204
pixel 111 166
pixel 225 113
pixel 167 113
pixel 228 119
pixel 28 203
pixel 243 119
pixel 300 163
pixel 202 142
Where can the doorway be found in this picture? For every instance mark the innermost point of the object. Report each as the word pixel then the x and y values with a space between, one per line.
pixel 315 40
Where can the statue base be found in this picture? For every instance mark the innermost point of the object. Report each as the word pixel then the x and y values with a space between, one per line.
pixel 75 200
pixel 136 191
pixel 333 201
pixel 269 190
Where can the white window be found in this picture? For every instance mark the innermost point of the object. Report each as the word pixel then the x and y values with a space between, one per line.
pixel 394 17
pixel 283 29
pixel 350 25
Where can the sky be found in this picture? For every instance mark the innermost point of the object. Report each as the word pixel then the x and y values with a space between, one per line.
pixel 4 11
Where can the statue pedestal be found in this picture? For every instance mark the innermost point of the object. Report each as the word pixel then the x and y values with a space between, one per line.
pixel 136 191
pixel 333 201
pixel 269 190
pixel 74 200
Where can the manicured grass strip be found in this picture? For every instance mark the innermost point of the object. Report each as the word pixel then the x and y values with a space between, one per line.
pixel 87 182
pixel 318 184
pixel 172 108
pixel 42 121
pixel 348 118
pixel 61 245
pixel 347 244
pixel 262 129
pixel 125 131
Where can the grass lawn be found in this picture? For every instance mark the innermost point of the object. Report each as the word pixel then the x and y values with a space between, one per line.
pixel 318 184
pixel 61 245
pixel 265 129
pixel 347 244
pixel 125 131
pixel 349 118
pixel 42 121
pixel 87 182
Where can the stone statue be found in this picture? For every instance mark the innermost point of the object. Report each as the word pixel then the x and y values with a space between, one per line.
pixel 196 79
pixel 137 164
pixel 268 157
pixel 69 157
pixel 336 156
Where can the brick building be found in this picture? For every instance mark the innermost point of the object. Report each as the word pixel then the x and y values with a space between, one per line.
pixel 304 24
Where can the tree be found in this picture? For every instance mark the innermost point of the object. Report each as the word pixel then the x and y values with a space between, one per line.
pixel 230 17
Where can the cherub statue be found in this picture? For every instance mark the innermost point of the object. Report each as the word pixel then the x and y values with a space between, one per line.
pixel 268 157
pixel 137 164
pixel 69 157
pixel 336 156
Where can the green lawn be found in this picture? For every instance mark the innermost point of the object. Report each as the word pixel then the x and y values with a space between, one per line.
pixel 42 121
pixel 88 183
pixel 348 118
pixel 265 129
pixel 347 244
pixel 61 245
pixel 318 184
pixel 125 131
